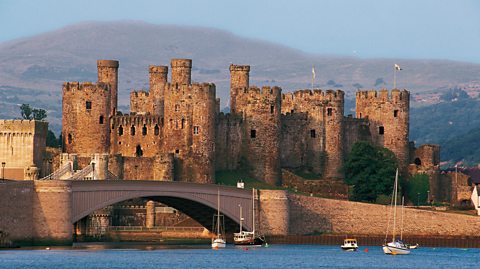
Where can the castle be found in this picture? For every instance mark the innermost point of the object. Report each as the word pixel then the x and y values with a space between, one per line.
pixel 176 131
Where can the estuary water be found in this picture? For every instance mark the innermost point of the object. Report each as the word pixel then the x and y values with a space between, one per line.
pixel 275 256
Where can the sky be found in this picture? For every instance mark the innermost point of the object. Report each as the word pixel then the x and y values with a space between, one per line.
pixel 425 29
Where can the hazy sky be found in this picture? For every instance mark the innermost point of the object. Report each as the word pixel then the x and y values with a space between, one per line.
pixel 365 28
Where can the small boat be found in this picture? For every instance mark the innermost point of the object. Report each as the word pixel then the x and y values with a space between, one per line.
pixel 413 246
pixel 349 245
pixel 244 238
pixel 396 246
pixel 219 240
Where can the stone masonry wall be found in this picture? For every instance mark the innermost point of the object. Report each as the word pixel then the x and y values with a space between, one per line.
pixel 228 142
pixel 313 214
pixel 16 209
pixel 274 212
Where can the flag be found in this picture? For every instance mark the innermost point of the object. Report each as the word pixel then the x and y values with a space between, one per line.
pixel 313 72
pixel 397 67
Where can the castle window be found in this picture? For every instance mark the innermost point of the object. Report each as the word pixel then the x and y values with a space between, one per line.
pixel 120 130
pixel 272 109
pixel 395 113
pixel 417 161
pixel 253 133
pixel 183 123
pixel 329 111
pixel 177 108
pixel 88 105
pixel 156 130
pixel 360 115
pixel 381 130
pixel 176 124
pixel 144 130
pixel 101 120
pixel 138 151
pixel 132 130
pixel 291 111
pixel 177 153
pixel 69 139
pixel 195 130
pixel 312 133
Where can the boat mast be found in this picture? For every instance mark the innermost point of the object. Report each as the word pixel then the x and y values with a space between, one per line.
pixel 395 205
pixel 218 213
pixel 401 229
pixel 240 217
pixel 253 210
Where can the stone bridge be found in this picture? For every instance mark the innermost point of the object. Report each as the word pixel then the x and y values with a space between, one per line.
pixel 199 201
pixel 47 210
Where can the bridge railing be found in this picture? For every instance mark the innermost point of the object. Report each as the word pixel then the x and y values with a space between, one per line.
pixel 60 172
pixel 157 228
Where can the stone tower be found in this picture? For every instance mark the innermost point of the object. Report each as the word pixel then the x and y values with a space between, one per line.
pixel 158 80
pixel 239 79
pixel 388 115
pixel 334 133
pixel 181 71
pixel 189 125
pixel 261 109
pixel 108 73
pixel 85 126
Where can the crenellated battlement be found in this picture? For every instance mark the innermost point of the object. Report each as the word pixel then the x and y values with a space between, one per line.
pixel 316 94
pixel 265 91
pixel 187 63
pixel 197 90
pixel 137 120
pixel 241 68
pixel 158 69
pixel 72 87
pixel 139 93
pixel 107 63
pixel 394 96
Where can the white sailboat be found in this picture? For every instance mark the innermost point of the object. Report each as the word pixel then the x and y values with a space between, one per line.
pixel 219 240
pixel 396 246
pixel 244 238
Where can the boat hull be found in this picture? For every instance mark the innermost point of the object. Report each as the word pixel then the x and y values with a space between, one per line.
pixel 257 241
pixel 218 243
pixel 391 250
pixel 349 248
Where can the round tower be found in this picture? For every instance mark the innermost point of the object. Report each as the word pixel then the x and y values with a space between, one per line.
pixel 181 71
pixel 334 133
pixel 85 127
pixel 108 73
pixel 388 115
pixel 262 126
pixel 239 79
pixel 158 80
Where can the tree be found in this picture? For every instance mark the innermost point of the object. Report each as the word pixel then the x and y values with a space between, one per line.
pixel 52 140
pixel 26 111
pixel 417 188
pixel 370 170
pixel 29 113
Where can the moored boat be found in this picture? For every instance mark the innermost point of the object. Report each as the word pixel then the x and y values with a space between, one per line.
pixel 349 244
pixel 219 240
pixel 245 238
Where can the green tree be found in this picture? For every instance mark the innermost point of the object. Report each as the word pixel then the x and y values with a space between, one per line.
pixel 30 113
pixel 370 170
pixel 39 114
pixel 52 140
pixel 417 189
pixel 26 111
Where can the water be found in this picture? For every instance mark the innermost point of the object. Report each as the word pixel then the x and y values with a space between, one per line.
pixel 275 256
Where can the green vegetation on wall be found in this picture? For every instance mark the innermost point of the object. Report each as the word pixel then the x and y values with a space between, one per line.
pixel 417 189
pixel 370 171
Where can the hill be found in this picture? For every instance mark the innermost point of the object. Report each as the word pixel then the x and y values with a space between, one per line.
pixel 33 69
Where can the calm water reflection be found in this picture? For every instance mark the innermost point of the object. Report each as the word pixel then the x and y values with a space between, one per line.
pixel 145 256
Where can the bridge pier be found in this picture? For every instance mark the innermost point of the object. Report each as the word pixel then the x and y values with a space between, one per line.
pixel 52 213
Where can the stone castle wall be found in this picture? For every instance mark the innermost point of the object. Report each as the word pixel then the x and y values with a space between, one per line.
pixel 140 102
pixel 229 135
pixel 16 210
pixel 313 214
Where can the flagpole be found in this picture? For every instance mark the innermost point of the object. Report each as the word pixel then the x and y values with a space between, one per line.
pixel 394 77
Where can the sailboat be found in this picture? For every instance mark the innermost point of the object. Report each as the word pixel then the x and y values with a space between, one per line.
pixel 244 238
pixel 219 240
pixel 396 246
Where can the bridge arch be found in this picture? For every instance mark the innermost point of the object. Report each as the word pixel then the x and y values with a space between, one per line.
pixel 199 201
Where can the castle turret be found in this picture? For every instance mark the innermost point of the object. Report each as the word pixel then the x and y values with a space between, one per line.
pixel 239 79
pixel 158 80
pixel 334 134
pixel 181 71
pixel 108 73
pixel 85 127
pixel 388 115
